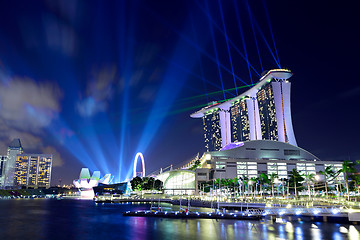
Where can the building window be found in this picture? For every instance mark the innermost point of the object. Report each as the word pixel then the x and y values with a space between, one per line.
pixel 278 168
pixel 248 169
pixel 288 152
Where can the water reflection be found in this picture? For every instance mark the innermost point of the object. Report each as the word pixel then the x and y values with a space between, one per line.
pixel 43 219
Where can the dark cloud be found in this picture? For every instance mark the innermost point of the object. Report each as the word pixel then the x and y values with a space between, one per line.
pixel 99 92
pixel 28 105
pixel 27 108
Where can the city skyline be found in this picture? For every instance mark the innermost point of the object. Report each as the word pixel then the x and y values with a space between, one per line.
pixel 95 83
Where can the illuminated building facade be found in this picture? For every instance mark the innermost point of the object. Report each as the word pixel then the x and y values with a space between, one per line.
pixel 33 170
pixel 240 128
pixel 262 112
pixel 178 182
pixel 267 112
pixel 85 183
pixel 264 156
pixel 2 168
pixel 212 130
pixel 14 149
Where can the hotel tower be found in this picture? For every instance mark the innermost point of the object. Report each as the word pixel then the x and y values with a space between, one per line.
pixel 261 113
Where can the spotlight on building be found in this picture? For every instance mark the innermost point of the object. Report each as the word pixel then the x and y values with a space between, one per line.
pixel 85 183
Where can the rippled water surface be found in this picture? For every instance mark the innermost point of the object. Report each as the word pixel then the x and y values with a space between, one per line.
pixel 83 219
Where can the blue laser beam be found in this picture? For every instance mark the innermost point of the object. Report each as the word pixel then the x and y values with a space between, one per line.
pixel 215 51
pixel 230 41
pixel 199 59
pixel 197 46
pixel 254 22
pixel 227 44
pixel 271 31
pixel 242 37
pixel 254 34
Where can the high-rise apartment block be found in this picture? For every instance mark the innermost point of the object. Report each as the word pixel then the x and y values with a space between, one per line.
pixel 14 149
pixel 24 170
pixel 33 170
pixel 2 169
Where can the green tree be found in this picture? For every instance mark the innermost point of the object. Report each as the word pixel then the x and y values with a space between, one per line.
pixel 158 185
pixel 244 183
pixel 272 177
pixel 295 180
pixel 283 183
pixel 328 174
pixel 347 167
pixel 136 183
pixel 252 182
pixel 309 178
pixel 263 180
pixel 196 165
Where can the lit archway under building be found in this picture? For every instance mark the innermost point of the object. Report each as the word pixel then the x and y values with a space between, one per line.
pixel 178 182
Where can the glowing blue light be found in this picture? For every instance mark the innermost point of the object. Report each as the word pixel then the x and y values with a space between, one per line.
pixel 316 211
pixel 335 211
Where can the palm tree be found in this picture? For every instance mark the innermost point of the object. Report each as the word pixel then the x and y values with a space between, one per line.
pixel 252 181
pixel 236 183
pixel 296 179
pixel 356 179
pixel 283 182
pixel 347 167
pixel 309 177
pixel 328 173
pixel 272 176
pixel 245 183
pixel 263 179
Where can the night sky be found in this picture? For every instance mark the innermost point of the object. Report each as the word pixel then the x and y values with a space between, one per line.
pixel 95 82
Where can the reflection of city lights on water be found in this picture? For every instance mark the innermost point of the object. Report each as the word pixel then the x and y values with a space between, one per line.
pixel 315 233
pixel 343 229
pixel 289 227
pixel 353 233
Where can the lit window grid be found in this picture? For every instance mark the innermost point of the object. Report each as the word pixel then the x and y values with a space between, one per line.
pixel 336 168
pixel 248 169
pixel 306 168
pixel 278 168
pixel 212 132
pixel 33 171
pixel 240 128
pixel 267 113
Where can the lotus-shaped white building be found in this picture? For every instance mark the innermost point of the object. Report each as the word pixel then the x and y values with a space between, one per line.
pixel 85 183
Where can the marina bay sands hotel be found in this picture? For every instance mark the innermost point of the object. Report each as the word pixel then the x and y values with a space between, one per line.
pixel 253 133
pixel 261 113
pixel 249 135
